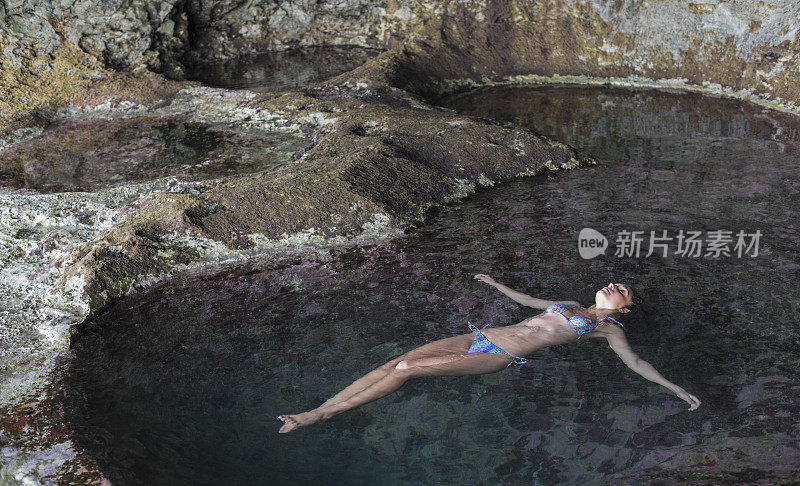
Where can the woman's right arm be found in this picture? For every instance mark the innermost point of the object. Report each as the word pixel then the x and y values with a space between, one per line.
pixel 519 297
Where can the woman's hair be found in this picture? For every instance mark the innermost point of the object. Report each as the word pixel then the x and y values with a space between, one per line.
pixel 638 300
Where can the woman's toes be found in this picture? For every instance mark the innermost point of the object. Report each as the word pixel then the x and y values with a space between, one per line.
pixel 299 420
pixel 290 426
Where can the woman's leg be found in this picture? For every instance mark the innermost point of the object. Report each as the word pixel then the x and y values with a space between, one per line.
pixel 364 382
pixel 452 345
pixel 447 365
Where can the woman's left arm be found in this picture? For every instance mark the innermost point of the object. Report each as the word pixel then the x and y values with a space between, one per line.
pixel 618 342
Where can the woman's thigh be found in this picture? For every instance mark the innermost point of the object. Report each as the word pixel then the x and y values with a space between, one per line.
pixel 455 364
pixel 442 347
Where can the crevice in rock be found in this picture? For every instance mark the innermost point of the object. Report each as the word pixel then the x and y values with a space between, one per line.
pixel 172 40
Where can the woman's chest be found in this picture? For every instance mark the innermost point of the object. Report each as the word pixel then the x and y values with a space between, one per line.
pixel 546 325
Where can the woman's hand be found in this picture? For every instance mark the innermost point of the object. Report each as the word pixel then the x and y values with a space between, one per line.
pixel 692 400
pixel 485 278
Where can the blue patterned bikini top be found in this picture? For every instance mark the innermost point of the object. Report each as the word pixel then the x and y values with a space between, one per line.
pixel 581 324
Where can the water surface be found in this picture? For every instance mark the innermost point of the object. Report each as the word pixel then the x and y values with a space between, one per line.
pixel 280 70
pixel 183 383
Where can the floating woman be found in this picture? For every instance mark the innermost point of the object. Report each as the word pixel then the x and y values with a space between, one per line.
pixel 491 350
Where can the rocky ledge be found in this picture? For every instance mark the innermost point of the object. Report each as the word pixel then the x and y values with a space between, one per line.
pixel 376 160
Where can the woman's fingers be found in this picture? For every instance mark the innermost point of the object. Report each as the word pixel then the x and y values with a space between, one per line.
pixel 693 401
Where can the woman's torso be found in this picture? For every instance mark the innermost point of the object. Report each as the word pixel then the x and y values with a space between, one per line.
pixel 542 330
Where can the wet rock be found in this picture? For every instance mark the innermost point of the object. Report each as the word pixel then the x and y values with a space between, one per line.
pixel 343 186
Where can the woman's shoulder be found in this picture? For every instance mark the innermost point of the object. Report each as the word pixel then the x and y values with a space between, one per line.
pixel 604 330
pixel 610 326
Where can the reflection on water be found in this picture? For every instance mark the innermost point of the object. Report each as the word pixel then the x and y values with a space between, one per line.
pixel 279 70
pixel 183 383
pixel 89 155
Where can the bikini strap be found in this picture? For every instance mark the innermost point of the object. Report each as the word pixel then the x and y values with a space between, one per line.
pixel 514 359
pixel 475 328
pixel 616 321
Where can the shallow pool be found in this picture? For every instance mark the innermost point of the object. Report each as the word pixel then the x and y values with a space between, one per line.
pixel 95 154
pixel 182 384
pixel 280 70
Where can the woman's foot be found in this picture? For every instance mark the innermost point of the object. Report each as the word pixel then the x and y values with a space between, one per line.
pixel 299 420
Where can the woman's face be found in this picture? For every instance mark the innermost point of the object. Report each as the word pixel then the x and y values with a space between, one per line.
pixel 613 296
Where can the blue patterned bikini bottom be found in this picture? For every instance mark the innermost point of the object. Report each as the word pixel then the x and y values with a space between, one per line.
pixel 482 345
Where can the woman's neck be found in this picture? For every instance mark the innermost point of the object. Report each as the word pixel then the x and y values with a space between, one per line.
pixel 598 314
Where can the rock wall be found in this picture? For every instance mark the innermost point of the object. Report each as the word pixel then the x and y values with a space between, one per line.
pixel 50 52
pixel 131 34
pixel 747 48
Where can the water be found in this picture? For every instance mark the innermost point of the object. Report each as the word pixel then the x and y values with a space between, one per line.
pixel 90 155
pixel 281 70
pixel 183 383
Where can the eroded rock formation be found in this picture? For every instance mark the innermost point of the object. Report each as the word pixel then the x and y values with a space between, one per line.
pixel 377 156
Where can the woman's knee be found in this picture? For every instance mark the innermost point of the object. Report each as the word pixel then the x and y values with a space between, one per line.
pixel 391 365
pixel 404 369
pixel 422 366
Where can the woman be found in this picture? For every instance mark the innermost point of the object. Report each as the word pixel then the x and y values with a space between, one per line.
pixel 491 350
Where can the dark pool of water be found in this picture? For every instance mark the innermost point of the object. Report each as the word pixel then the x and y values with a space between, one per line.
pixel 279 70
pixel 90 155
pixel 182 384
